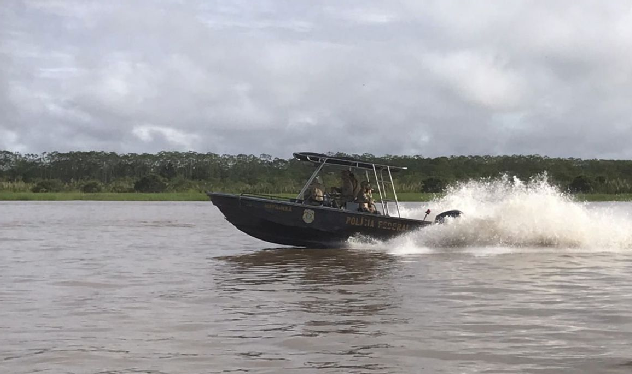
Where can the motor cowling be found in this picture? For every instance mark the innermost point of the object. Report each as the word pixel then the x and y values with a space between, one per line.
pixel 441 217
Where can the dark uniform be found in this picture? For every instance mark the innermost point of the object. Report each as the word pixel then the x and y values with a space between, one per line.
pixel 356 185
pixel 347 191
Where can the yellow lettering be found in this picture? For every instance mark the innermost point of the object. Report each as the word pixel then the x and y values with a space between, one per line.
pixel 362 221
pixel 278 207
pixel 385 225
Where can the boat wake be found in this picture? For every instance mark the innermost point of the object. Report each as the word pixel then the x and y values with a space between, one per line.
pixel 507 213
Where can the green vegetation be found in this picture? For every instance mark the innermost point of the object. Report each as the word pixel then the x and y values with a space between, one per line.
pixel 151 183
pixel 92 187
pixel 48 185
pixel 412 196
pixel 604 197
pixel 185 175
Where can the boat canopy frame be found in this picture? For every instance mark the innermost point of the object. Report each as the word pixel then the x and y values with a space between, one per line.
pixel 321 160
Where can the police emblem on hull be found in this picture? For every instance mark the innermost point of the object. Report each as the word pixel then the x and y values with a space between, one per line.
pixel 308 216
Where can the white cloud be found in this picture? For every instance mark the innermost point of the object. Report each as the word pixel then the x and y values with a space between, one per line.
pixel 9 140
pixel 363 13
pixel 434 77
pixel 485 80
pixel 175 138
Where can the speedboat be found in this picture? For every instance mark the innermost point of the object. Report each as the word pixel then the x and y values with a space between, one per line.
pixel 329 220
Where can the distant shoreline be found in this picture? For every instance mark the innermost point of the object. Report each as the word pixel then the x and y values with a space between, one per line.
pixel 198 196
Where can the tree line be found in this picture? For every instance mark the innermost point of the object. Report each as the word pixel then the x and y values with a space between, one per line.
pixel 192 171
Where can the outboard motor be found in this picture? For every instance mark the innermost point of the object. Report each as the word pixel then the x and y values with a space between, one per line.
pixel 440 218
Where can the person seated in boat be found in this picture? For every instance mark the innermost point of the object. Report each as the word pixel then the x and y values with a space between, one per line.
pixel 365 198
pixel 349 188
pixel 334 197
pixel 315 193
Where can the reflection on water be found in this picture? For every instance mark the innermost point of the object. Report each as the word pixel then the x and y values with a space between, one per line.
pixel 173 288
pixel 311 267
pixel 339 283
pixel 329 302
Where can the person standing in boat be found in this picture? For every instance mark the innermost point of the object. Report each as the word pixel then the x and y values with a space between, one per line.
pixel 349 187
pixel 356 184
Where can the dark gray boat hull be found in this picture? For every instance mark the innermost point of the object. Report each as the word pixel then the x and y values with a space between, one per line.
pixel 296 224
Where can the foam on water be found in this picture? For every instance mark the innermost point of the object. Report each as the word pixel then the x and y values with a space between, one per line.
pixel 506 214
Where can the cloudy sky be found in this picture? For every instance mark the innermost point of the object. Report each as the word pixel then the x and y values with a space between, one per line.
pixel 385 77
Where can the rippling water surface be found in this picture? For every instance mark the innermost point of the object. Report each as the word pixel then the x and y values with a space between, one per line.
pixel 142 287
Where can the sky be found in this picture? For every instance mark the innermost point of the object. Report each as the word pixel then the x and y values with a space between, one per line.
pixel 399 77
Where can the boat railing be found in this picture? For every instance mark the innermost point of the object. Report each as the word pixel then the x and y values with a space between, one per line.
pixel 381 180
pixel 270 197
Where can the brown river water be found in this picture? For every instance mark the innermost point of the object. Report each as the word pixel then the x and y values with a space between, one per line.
pixel 146 287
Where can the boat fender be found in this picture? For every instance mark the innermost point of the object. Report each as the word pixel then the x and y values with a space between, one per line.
pixel 440 218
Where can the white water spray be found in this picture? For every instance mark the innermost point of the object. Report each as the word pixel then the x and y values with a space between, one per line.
pixel 508 213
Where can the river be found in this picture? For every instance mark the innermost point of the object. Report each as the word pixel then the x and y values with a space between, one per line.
pixel 148 287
